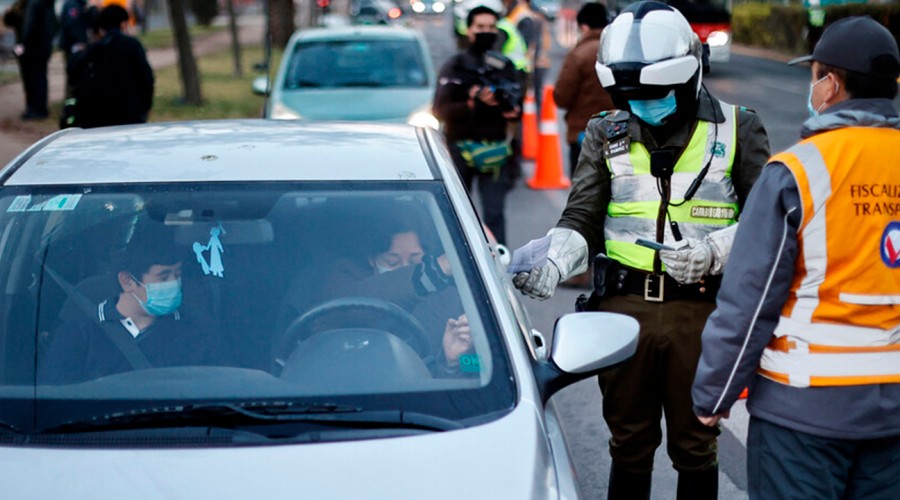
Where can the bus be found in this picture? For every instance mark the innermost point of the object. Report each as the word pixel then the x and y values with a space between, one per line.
pixel 710 20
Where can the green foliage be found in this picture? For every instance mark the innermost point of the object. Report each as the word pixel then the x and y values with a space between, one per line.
pixel 205 11
pixel 163 37
pixel 225 95
pixel 886 14
pixel 784 27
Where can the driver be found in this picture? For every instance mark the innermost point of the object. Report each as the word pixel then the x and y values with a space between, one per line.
pixel 139 327
pixel 399 270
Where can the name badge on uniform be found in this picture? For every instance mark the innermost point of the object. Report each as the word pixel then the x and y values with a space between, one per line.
pixel 618 146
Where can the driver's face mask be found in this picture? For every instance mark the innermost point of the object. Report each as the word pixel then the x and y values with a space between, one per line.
pixel 654 111
pixel 162 298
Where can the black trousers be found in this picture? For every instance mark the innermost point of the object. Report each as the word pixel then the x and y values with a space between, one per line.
pixel 33 64
pixel 655 381
pixel 492 189
pixel 784 463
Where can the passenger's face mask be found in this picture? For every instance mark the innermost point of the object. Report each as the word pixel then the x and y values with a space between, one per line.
pixel 654 111
pixel 809 105
pixel 162 298
pixel 484 41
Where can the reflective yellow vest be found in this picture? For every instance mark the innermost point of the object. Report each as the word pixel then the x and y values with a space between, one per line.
pixel 841 323
pixel 514 48
pixel 519 12
pixel 634 205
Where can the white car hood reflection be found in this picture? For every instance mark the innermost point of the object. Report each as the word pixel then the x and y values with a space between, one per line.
pixel 506 458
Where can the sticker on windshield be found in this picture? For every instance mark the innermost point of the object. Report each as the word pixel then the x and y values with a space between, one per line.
pixel 469 363
pixel 214 265
pixel 59 203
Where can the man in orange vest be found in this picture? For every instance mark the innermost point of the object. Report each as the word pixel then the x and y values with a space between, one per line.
pixel 809 310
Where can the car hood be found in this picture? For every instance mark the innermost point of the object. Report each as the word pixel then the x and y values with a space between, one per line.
pixel 507 458
pixel 390 105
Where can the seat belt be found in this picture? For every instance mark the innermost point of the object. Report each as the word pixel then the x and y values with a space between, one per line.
pixel 120 338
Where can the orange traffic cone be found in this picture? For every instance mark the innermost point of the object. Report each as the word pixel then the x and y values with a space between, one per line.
pixel 743 394
pixel 529 127
pixel 548 173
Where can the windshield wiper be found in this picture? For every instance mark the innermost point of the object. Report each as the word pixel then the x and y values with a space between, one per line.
pixel 228 414
pixel 304 83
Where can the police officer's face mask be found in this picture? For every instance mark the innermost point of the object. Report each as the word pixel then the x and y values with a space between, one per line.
pixel 654 111
pixel 484 41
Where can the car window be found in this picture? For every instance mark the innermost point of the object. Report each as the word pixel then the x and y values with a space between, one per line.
pixel 356 63
pixel 286 292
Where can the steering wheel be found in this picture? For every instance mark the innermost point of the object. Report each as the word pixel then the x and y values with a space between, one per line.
pixel 410 330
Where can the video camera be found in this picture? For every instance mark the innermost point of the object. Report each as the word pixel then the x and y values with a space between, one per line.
pixel 489 74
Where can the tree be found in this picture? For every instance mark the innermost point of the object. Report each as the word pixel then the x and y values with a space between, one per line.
pixel 187 64
pixel 235 40
pixel 281 21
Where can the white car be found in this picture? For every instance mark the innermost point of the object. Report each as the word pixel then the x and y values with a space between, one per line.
pixel 262 380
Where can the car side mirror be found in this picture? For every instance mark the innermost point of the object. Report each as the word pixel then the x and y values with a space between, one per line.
pixel 261 85
pixel 583 345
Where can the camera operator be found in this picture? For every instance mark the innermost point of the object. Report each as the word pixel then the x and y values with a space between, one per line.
pixel 478 94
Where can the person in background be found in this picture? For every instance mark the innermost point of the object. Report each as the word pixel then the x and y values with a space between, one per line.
pixel 808 315
pixel 477 98
pixel 34 49
pixel 577 89
pixel 112 79
pixel 634 181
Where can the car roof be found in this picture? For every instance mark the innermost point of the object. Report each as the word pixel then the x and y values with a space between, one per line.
pixel 357 31
pixel 227 150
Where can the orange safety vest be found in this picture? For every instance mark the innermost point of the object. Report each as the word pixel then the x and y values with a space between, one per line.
pixel 841 323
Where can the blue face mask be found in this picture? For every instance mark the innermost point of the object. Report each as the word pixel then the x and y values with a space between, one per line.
pixel 809 107
pixel 654 111
pixel 162 298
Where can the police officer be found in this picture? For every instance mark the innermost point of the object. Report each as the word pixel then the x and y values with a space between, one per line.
pixel 672 165
pixel 808 313
pixel 478 94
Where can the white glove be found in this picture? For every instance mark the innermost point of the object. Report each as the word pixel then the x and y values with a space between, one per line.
pixel 540 282
pixel 567 257
pixel 695 259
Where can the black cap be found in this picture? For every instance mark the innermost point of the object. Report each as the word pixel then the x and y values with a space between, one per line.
pixel 857 44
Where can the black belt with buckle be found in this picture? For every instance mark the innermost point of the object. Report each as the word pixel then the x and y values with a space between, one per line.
pixel 662 287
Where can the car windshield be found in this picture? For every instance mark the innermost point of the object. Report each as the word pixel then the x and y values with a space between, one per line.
pixel 356 63
pixel 304 295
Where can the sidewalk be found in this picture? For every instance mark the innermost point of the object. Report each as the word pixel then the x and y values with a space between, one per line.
pixel 16 135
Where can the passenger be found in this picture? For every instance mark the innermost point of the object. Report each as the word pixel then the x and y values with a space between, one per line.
pixel 140 327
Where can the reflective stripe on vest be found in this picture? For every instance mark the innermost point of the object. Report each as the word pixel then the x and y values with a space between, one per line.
pixel 841 322
pixel 635 200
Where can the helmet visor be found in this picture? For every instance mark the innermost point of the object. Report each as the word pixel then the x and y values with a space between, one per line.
pixel 647 40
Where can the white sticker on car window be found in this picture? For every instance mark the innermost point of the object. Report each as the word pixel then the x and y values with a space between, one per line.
pixel 59 203
pixel 214 265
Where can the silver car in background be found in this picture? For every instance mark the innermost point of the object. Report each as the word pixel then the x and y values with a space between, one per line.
pixel 356 73
pixel 290 391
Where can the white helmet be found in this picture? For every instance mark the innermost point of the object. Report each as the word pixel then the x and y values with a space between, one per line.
pixel 646 52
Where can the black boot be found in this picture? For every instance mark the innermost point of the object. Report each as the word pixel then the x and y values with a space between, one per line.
pixel 625 485
pixel 698 485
